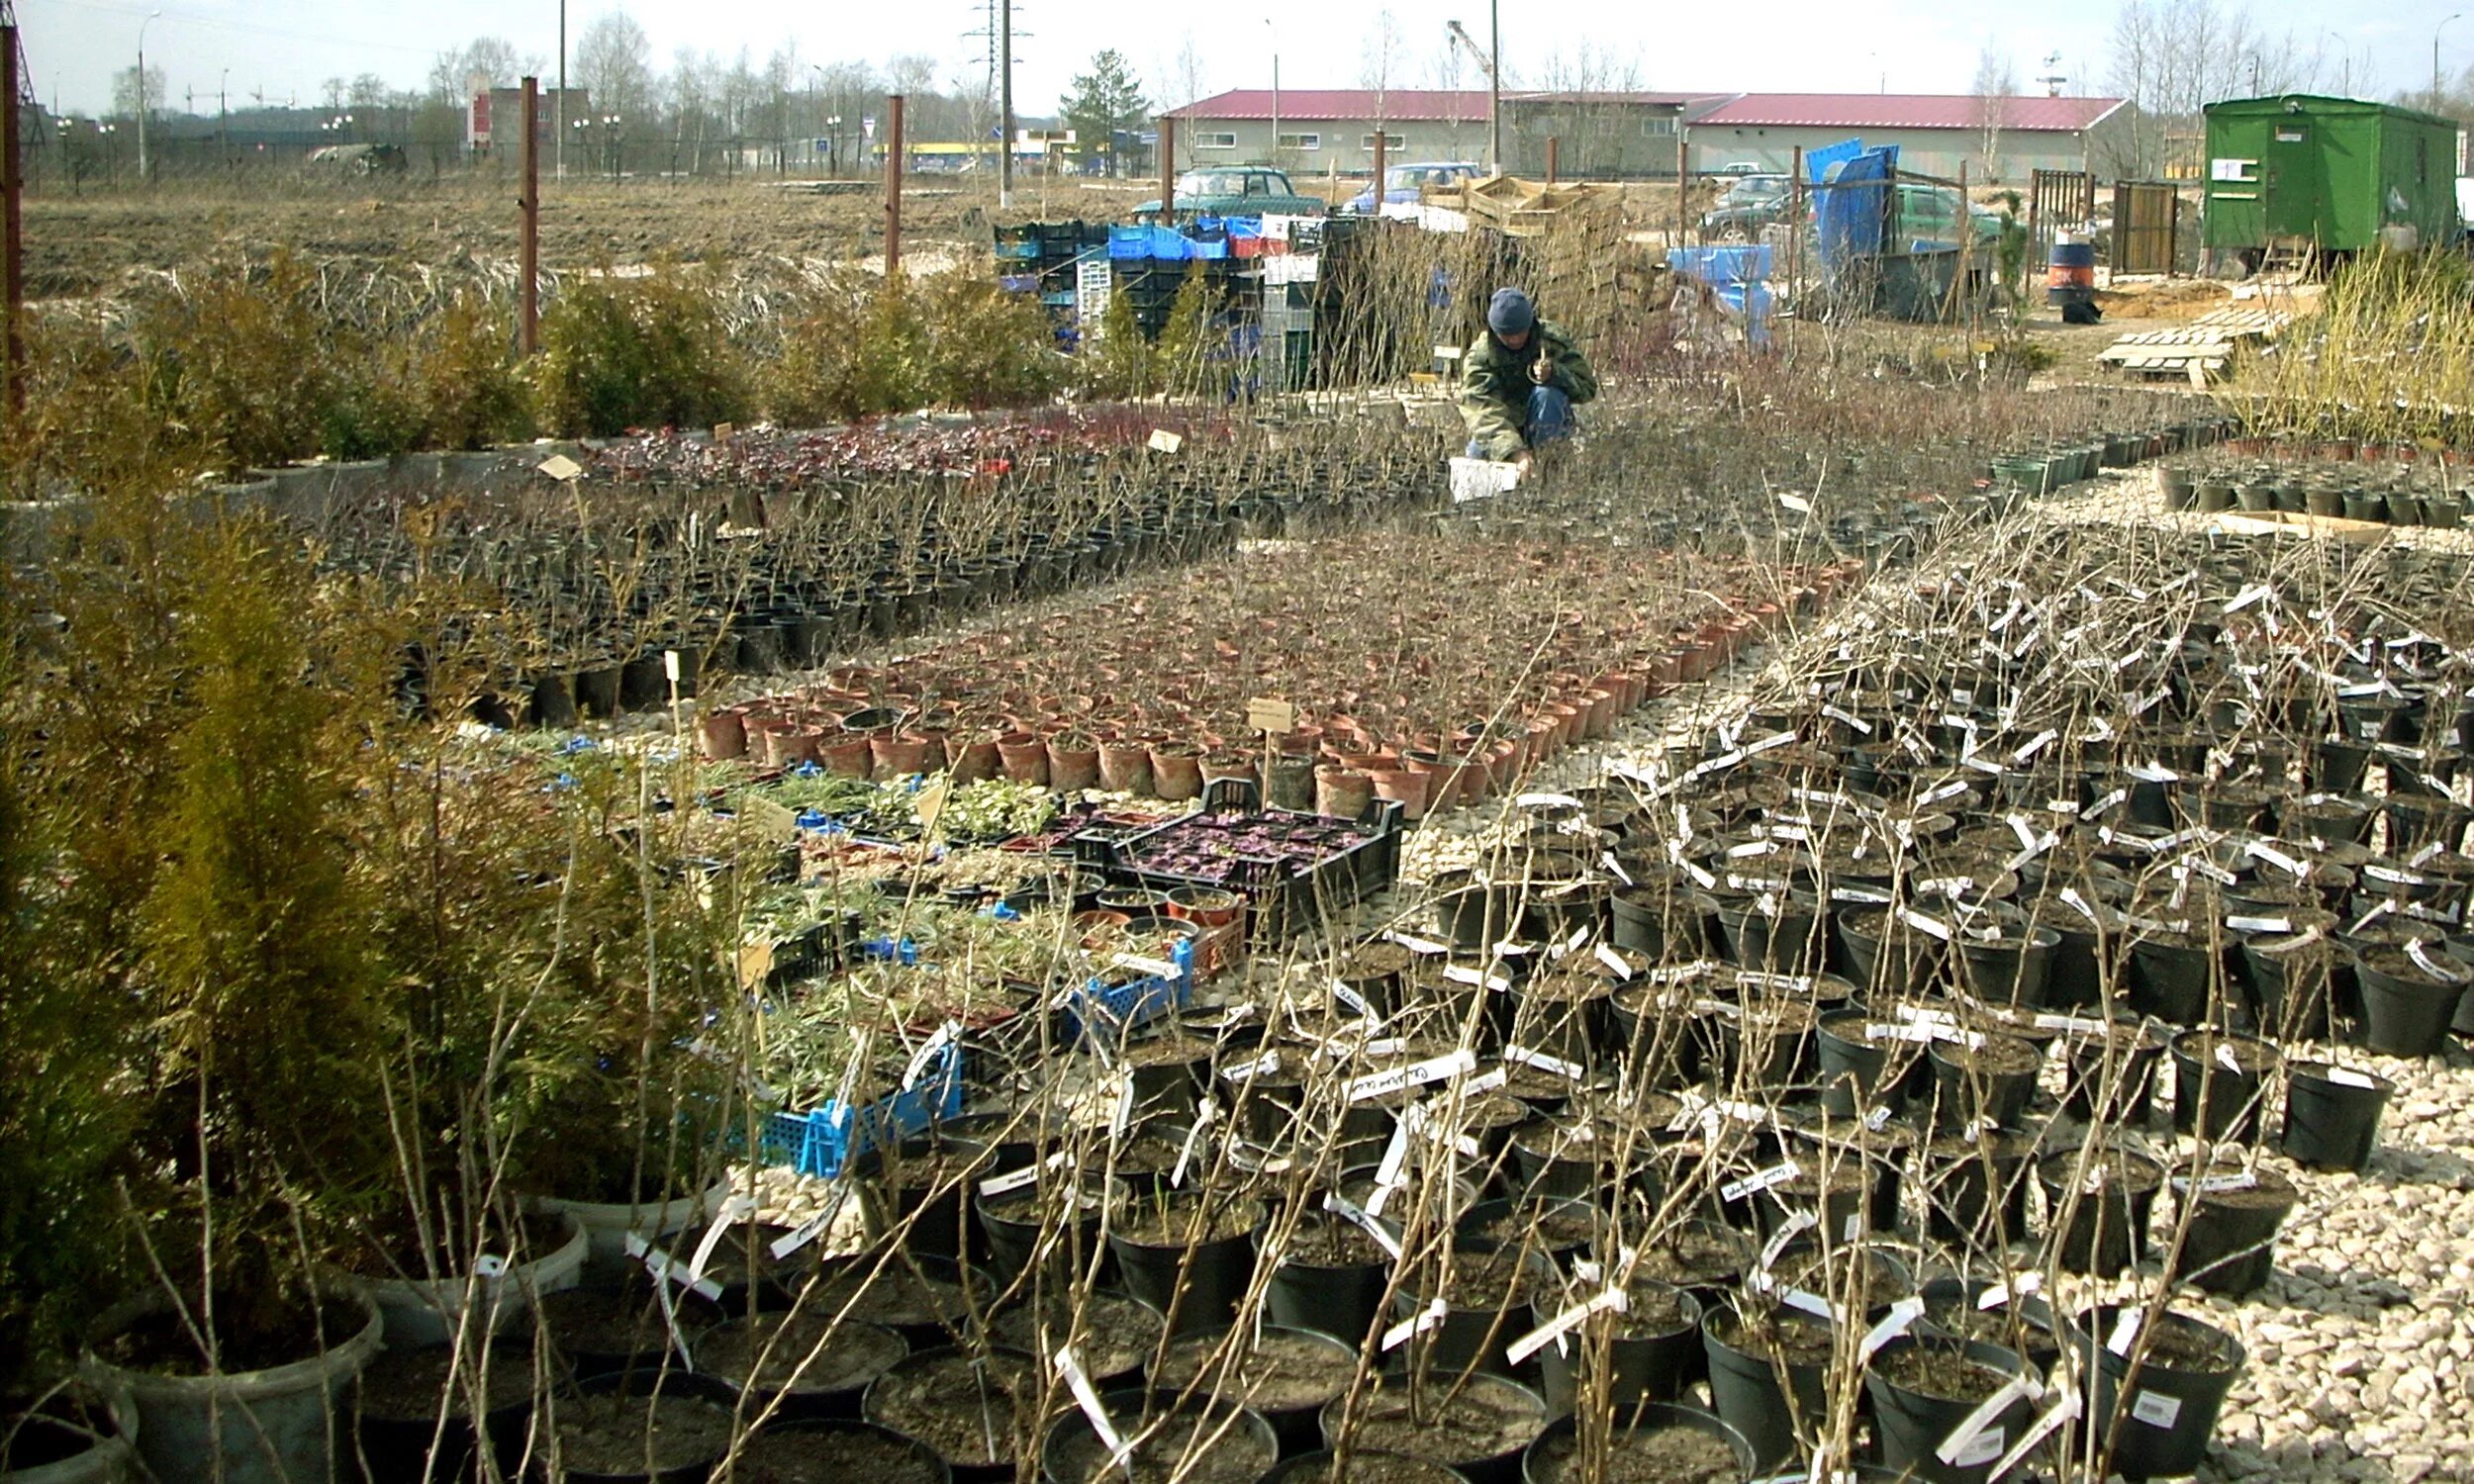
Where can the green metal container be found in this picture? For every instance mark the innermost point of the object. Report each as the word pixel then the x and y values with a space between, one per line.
pixel 2296 172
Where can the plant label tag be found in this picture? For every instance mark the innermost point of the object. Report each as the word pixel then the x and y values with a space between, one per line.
pixel 1849 719
pixel 2226 1059
pixel 1776 1174
pixel 1015 1179
pixel 1615 868
pixel 716 1229
pixel 1554 1330
pixel 1893 1323
pixel 1878 1120
pixel 1416 1075
pixel 2102 805
pixel 1266 714
pixel 1086 1397
pixel 2062 1410
pixel 1810 1303
pixel 1922 923
pixel 1391 1171
pixel 670 1321
pixel 1350 1000
pixel 2347 1077
pixel 489 1265
pixel 2241 924
pixel 1795 502
pixel 658 1263
pixel 2245 1180
pixel 1793 1227
pixel 1237 1014
pixel 1967 1440
pixel 809 1230
pixel 1164 441
pixel 1416 1324
pixel 1552 1065
pixel 2156 1409
pixel 670 665
pixel 1123 1113
pixel 1262 1065
pixel 1614 962
pixel 1427 946
pixel 1485 1083
pixel 1348 1211
pixel 2125 1331
pixel 560 467
pixel 945 1036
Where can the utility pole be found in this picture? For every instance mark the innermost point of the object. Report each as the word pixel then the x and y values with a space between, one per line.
pixel 558 139
pixel 152 16
pixel 893 188
pixel 529 292
pixel 1495 87
pixel 1004 103
pixel 12 238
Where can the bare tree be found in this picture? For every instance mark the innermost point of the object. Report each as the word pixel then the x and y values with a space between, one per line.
pixel 1376 68
pixel 1996 82
pixel 2168 60
pixel 1448 73
pixel 613 64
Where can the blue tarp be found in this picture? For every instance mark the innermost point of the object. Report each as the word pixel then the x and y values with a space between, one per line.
pixel 1817 162
pixel 1739 276
pixel 1849 219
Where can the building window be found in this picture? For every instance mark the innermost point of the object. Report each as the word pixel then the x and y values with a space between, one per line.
pixel 1214 138
pixel 1658 125
pixel 1391 142
pixel 1301 141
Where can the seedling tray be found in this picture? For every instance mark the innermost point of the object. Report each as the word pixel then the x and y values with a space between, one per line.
pixel 1294 869
pixel 824 1141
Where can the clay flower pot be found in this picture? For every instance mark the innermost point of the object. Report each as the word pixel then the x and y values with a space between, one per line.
pixel 1125 766
pixel 1072 761
pixel 899 753
pixel 1225 765
pixel 793 745
pixel 722 734
pixel 846 756
pixel 1177 770
pixel 1407 786
pixel 971 758
pixel 1342 793
pixel 1023 757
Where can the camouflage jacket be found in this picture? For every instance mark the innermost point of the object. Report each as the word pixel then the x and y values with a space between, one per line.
pixel 1495 385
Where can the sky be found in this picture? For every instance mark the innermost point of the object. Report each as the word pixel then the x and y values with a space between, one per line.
pixel 282 50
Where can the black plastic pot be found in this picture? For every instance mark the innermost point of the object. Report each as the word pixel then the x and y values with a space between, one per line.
pixel 2107 1227
pixel 1751 1391
pixel 1298 1428
pixel 1966 1091
pixel 2172 981
pixel 2172 1412
pixel 1553 1457
pixel 1641 1368
pixel 1012 1222
pixel 1198 1289
pixel 835 1373
pixel 1338 1300
pixel 2405 1011
pixel 1316 1467
pixel 1911 1427
pixel 1502 1395
pixel 645 1386
pixel 420 1445
pixel 2333 1115
pixel 1071 1452
pixel 2230 1244
pixel 2011 969
pixel 1977 1190
pixel 2112 1077
pixel 2219 1098
pixel 1859 1071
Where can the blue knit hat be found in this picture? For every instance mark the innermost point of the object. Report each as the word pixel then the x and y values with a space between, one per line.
pixel 1509 313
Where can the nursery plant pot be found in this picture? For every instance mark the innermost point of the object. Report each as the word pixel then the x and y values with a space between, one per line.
pixel 431 1311
pixel 1650 1441
pixel 1177 773
pixel 1197 1283
pixel 1072 764
pixel 264 1426
pixel 1282 1375
pixel 2010 969
pixel 2106 1230
pixel 2234 1074
pixel 411 1410
pixel 922 1396
pixel 839 1449
pixel 606 1429
pixel 1749 1384
pixel 65 1442
pixel 2333 1115
pixel 2407 1007
pixel 1230 1448
pixel 1342 793
pixel 1331 1277
pixel 1654 1353
pixel 1025 758
pixel 1926 1390
pixel 2229 1248
pixel 2173 1395
pixel 1126 767
pixel 811 1368
pixel 1508 1415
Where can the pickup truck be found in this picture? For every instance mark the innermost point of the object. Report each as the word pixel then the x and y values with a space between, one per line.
pixel 1237 191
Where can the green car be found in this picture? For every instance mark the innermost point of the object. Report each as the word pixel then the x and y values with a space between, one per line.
pixel 1928 219
pixel 1237 191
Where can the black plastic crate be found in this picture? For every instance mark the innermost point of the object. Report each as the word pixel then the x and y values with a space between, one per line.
pixel 1354 858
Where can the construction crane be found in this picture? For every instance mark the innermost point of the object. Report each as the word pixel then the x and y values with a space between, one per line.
pixel 1494 82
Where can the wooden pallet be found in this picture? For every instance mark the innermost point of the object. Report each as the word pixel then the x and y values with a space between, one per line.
pixel 2199 350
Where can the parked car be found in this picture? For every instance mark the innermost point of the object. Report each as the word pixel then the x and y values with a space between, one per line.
pixel 1402 184
pixel 1928 217
pixel 1237 191
pixel 1752 203
pixel 1739 167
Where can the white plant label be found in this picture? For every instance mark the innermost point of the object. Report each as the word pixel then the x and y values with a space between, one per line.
pixel 1086 1397
pixel 1485 1083
pixel 2242 924
pixel 1158 969
pixel 1387 1175
pixel 1919 1034
pixel 658 1263
pixel 2226 1059
pixel 1123 1113
pixel 2156 1409
pixel 808 1231
pixel 1554 1330
pixel 1348 1211
pixel 1551 1066
pixel 716 1229
pixel 670 1321
pixel 1614 962
pixel 1416 1324
pixel 1262 1065
pixel 919 1059
pixel 1462 973
pixel 1354 1002
pixel 2125 1331
pixel 1776 1174
pixel 1923 924
pixel 2243 1181
pixel 1205 1111
pixel 2347 1077
pixel 1014 1179
pixel 1615 867
pixel 1418 945
pixel 1793 1227
pixel 1810 1303
pixel 1965 1440
pixel 2059 1413
pixel 1893 1323
pixel 1416 1075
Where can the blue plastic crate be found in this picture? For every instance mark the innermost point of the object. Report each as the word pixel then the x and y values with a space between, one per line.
pixel 822 1143
pixel 1017 250
pixel 1105 1010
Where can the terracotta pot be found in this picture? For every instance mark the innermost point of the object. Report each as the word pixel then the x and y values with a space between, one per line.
pixel 1405 786
pixel 970 759
pixel 1503 767
pixel 1342 793
pixel 1205 906
pixel 798 744
pixel 1599 719
pixel 722 734
pixel 900 754
pixel 1177 772
pixel 1072 764
pixel 845 755
pixel 1023 757
pixel 1219 766
pixel 1125 766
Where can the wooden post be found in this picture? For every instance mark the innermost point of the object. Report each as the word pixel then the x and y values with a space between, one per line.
pixel 892 186
pixel 1795 223
pixel 528 290
pixel 1554 145
pixel 1381 163
pixel 1167 168
pixel 1683 183
pixel 11 227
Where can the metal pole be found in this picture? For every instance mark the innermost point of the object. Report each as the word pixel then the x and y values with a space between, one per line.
pixel 1683 183
pixel 528 290
pixel 1553 149
pixel 893 187
pixel 1005 94
pixel 1795 225
pixel 1381 163
pixel 558 122
pixel 1495 87
pixel 1275 96
pixel 141 93
pixel 1167 167
pixel 12 237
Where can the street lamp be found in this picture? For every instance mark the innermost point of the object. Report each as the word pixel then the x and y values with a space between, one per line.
pixel 154 15
pixel 1275 30
pixel 2435 31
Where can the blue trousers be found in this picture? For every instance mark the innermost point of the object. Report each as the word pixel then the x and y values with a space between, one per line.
pixel 1550 417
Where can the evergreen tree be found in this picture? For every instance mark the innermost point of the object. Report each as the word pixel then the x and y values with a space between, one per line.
pixel 1106 101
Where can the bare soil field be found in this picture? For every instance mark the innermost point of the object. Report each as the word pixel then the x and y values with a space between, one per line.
pixel 86 245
